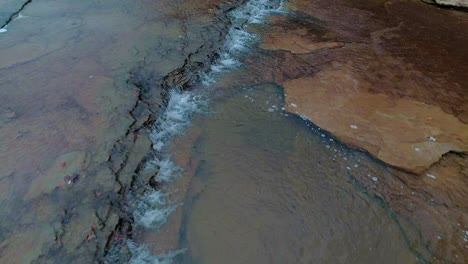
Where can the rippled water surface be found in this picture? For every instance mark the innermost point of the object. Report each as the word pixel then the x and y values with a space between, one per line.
pixel 269 190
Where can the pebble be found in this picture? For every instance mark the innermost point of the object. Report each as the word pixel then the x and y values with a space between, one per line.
pixel 375 179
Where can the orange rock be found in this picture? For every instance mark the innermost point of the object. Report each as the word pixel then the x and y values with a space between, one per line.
pixel 389 128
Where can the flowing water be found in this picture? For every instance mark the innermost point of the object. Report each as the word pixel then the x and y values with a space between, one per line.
pixel 267 187
pixel 211 169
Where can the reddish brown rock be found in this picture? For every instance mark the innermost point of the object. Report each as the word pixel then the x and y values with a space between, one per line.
pixel 403 61
pixel 388 75
pixel 284 35
pixel 404 133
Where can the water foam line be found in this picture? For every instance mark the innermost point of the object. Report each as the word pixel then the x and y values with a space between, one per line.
pixel 152 209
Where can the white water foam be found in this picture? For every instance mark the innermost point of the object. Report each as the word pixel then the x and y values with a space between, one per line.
pixel 239 38
pixel 176 117
pixel 152 209
pixel 20 16
pixel 168 170
pixel 141 255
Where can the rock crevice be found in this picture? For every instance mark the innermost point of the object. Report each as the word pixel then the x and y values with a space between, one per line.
pixel 15 14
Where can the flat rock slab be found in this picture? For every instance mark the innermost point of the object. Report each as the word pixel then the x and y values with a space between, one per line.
pixel 361 83
pixel 66 170
pixel 403 133
pixel 25 246
pixel 298 38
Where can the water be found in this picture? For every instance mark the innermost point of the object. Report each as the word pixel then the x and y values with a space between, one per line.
pixel 152 209
pixel 231 178
pixel 268 190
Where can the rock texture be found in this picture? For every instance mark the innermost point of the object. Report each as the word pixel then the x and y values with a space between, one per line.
pixel 299 40
pixel 455 3
pixel 8 8
pixel 80 85
pixel 400 73
pixel 407 134
pixel 367 78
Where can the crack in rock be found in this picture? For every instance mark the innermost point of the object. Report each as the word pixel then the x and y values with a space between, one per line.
pixel 15 14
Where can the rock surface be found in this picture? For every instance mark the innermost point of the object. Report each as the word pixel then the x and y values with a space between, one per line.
pixel 298 40
pixel 9 7
pixel 80 82
pixel 455 3
pixel 368 81
pixel 407 134
pixel 401 53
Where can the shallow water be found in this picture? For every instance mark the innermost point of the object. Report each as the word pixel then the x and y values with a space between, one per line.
pixel 254 184
pixel 220 175
pixel 269 190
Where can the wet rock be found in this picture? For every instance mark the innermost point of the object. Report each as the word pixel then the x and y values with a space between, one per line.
pixel 404 60
pixel 375 62
pixel 65 170
pixel 25 245
pixel 8 8
pixel 369 121
pixel 298 37
pixel 454 3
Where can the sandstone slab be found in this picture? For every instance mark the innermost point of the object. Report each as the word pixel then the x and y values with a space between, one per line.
pixel 403 133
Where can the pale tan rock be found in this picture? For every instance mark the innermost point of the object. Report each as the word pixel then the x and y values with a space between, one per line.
pixel 457 3
pixel 404 133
